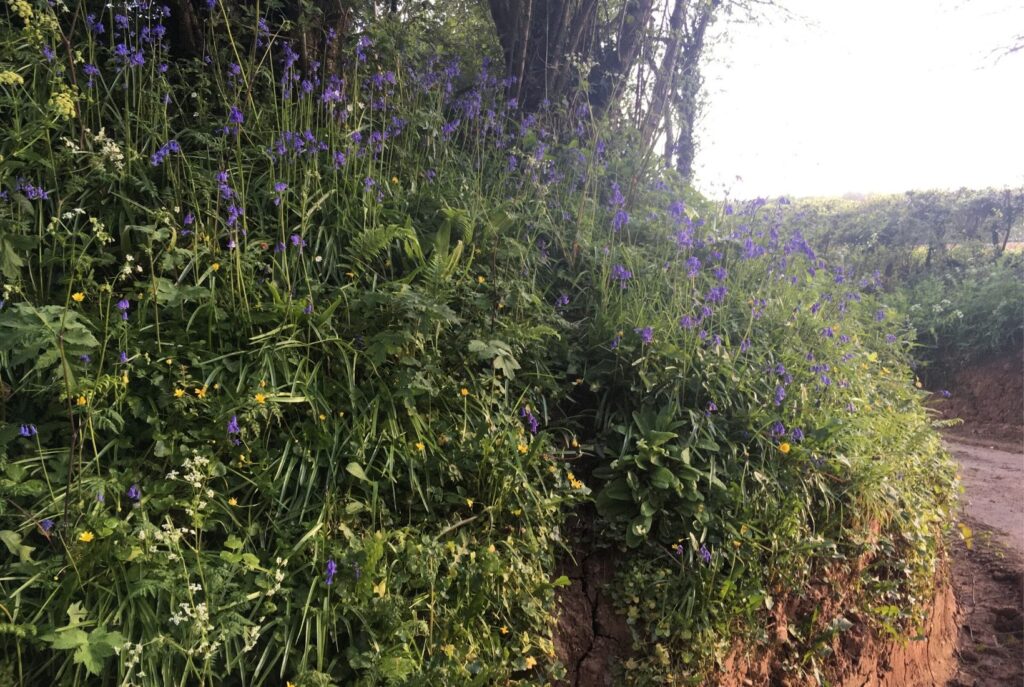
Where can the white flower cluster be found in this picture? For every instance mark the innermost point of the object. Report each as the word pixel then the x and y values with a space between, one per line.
pixel 195 613
pixel 109 150
pixel 132 655
pixel 195 475
pixel 279 565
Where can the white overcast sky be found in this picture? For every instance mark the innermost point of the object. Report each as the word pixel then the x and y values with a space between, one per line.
pixel 868 96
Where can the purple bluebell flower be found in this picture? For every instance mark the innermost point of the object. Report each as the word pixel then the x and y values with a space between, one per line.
pixel 531 420
pixel 235 213
pixel 134 493
pixel 235 116
pixel 944 393
pixel 687 322
pixel 797 434
pixel 621 275
pixel 332 569
pixel 224 186
pixel 646 334
pixel 716 294
pixel 616 340
pixel 692 266
pixel 705 554
pixel 827 332
pixel 711 408
pixel 308 309
pixel 744 345
pixel 123 305
pixel 28 430
pixel 562 301
pixel 777 429
pixel 46 525
pixel 620 219
pixel 49 54
pixel 94 24
pixel 362 44
pixel 233 427
pixel 780 395
pixel 32 192
pixel 890 338
pixel 677 209
pixel 720 273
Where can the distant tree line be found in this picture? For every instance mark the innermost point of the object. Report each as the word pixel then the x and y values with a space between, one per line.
pixel 932 220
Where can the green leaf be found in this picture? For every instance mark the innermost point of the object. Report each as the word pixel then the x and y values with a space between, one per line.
pixel 71 638
pixel 14 545
pixel 356 470
pixel 662 478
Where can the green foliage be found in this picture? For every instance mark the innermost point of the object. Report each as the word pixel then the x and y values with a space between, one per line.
pixel 279 406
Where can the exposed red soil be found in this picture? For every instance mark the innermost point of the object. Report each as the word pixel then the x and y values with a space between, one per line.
pixel 591 638
pixel 859 656
pixel 988 396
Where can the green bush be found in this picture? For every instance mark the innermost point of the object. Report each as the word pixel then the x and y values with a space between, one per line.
pixel 302 373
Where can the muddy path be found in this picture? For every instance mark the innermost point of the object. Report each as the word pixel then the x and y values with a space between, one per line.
pixel 988 564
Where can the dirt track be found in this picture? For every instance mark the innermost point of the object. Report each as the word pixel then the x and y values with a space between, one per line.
pixel 993 489
pixel 988 566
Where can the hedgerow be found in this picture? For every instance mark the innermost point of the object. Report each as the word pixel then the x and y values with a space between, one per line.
pixel 303 368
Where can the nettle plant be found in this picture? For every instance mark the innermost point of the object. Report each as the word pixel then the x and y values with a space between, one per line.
pixel 304 365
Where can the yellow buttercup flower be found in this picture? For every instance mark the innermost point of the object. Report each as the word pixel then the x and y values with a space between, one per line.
pixel 523 448
pixel 420 446
pixel 86 536
pixel 784 447
pixel 260 398
pixel 200 392
pixel 215 266
pixel 82 400
pixel 232 501
pixel 481 279
pixel 78 296
pixel 530 662
pixel 178 393
pixel 463 391
pixel 503 630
